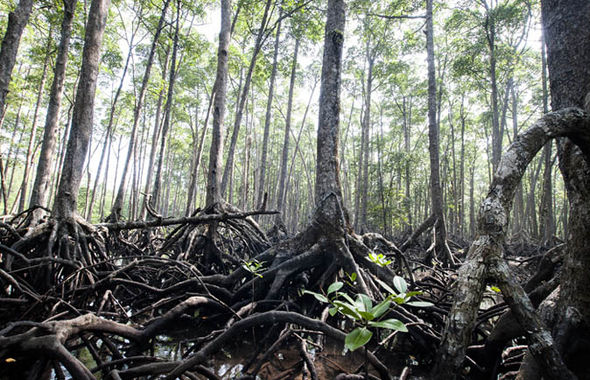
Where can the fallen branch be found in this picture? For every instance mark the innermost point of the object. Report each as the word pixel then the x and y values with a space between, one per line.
pixel 138 224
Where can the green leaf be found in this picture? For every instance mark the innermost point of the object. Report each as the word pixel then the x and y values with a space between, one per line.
pixel 495 289
pixel 392 324
pixel 347 297
pixel 332 311
pixel 357 338
pixel 367 315
pixel 400 284
pixel 348 310
pixel 335 287
pixel 381 308
pixel 363 302
pixel 352 276
pixel 319 297
pixel 420 303
pixel 385 286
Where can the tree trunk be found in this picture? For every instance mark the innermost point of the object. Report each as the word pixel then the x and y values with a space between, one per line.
pixel 243 97
pixel 32 138
pixel 546 208
pixel 568 61
pixel 442 249
pixel 17 20
pixel 167 112
pixel 366 135
pixel 485 258
pixel 216 151
pixel 328 171
pixel 281 190
pixel 118 203
pixel 78 141
pixel 267 120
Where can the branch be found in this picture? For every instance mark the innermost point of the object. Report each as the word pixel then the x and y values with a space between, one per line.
pixel 203 219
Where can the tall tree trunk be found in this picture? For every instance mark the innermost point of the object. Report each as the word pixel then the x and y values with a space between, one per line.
pixel 109 129
pixel 32 138
pixel 267 120
pixel 78 141
pixel 442 249
pixel 285 152
pixel 491 41
pixel 118 203
pixel 216 151
pixel 167 112
pixel 17 20
pixel 327 173
pixel 155 138
pixel 366 132
pixel 244 96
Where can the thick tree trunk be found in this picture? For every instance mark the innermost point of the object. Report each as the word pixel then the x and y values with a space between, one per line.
pixel 78 141
pixel 17 20
pixel 568 58
pixel 216 151
pixel 485 259
pixel 328 169
pixel 546 209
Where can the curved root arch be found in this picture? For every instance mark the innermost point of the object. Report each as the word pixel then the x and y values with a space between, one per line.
pixel 485 258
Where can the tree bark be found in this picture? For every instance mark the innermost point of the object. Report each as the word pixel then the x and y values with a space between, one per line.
pixel 328 169
pixel 485 261
pixel 568 60
pixel 78 141
pixel 216 150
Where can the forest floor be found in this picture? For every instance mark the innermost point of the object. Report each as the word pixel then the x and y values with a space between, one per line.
pixel 121 301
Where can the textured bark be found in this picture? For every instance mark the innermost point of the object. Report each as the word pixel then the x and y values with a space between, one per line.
pixel 17 20
pixel 78 141
pixel 568 58
pixel 485 255
pixel 216 151
pixel 118 203
pixel 328 168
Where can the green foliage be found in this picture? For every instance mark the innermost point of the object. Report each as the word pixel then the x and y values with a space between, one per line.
pixel 254 266
pixel 362 311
